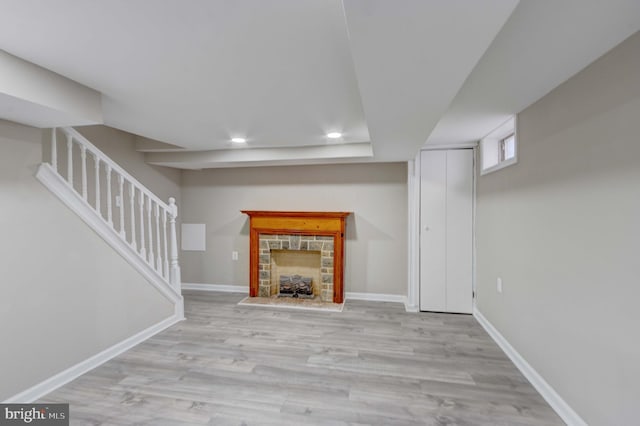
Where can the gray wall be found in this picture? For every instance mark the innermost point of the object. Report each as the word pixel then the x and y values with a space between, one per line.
pixel 562 229
pixel 376 233
pixel 66 295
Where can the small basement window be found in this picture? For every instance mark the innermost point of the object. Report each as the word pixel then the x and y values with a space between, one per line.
pixel 508 147
pixel 499 148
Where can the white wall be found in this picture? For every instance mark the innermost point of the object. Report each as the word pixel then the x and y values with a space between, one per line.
pixel 562 229
pixel 65 294
pixel 376 244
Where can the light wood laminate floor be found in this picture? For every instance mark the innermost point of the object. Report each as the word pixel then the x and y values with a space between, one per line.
pixel 371 364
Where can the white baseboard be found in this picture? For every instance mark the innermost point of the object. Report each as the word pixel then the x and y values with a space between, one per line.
pixel 376 297
pixel 556 402
pixel 49 385
pixel 216 287
pixel 411 308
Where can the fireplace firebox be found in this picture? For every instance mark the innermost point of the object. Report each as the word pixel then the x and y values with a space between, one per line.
pixel 295 286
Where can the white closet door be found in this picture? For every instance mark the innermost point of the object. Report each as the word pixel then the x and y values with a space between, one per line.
pixel 459 230
pixel 433 211
pixel 446 218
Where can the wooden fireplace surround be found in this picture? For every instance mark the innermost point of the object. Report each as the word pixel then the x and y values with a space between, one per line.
pixel 297 223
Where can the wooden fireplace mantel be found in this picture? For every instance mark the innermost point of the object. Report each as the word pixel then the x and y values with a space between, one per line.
pixel 302 223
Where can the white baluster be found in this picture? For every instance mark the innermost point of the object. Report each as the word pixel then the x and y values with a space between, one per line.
pixel 166 246
pixel 109 207
pixel 54 150
pixel 96 163
pixel 175 267
pixel 70 160
pixel 149 207
pixel 158 254
pixel 83 168
pixel 143 250
pixel 132 196
pixel 121 204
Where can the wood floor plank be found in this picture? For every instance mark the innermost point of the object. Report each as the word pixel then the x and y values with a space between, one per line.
pixel 372 364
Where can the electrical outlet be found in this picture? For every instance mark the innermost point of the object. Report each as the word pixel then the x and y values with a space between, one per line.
pixel 118 201
pixel 234 255
pixel 499 285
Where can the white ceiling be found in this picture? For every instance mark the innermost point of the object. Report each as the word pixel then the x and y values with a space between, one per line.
pixel 543 43
pixel 283 73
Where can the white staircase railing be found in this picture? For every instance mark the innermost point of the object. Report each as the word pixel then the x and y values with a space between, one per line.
pixel 141 220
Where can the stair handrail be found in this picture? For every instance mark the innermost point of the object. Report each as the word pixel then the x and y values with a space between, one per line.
pixel 170 268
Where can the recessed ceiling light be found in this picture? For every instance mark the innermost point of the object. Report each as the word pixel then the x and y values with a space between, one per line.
pixel 334 135
pixel 238 140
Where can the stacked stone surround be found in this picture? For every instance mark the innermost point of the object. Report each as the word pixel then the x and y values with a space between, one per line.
pixel 321 243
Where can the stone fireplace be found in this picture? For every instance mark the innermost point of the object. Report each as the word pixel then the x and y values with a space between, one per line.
pixel 299 247
pixel 304 255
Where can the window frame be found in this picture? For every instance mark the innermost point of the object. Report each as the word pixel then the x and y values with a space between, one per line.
pixel 495 141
